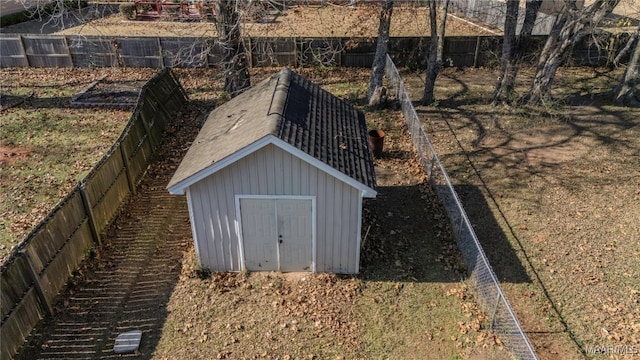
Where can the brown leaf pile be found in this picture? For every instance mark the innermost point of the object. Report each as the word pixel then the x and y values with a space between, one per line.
pixel 473 333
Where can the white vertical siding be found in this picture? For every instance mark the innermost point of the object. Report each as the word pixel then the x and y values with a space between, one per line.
pixel 272 171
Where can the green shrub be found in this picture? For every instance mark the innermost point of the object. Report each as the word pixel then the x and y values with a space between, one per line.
pixel 15 18
pixel 26 15
pixel 127 11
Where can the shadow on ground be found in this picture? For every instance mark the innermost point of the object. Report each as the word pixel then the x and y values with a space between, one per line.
pixel 496 245
pixel 127 284
pixel 407 236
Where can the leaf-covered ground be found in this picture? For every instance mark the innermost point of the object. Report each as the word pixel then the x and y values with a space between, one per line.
pixel 295 21
pixel 408 302
pixel 46 145
pixel 554 195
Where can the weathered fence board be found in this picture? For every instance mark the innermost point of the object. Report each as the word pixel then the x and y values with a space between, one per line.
pixel 92 51
pixel 98 181
pixel 149 110
pixel 55 275
pixel 136 147
pixel 51 236
pixel 166 97
pixel 12 53
pixel 105 211
pixel 16 328
pixel 15 281
pixel 317 51
pixel 38 269
pixel 140 52
pixel 158 52
pixel 272 51
pixel 47 51
pixel 186 52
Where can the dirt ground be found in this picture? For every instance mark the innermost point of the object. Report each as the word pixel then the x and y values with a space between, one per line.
pixel 554 195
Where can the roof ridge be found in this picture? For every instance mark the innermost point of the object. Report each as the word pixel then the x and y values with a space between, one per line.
pixel 280 93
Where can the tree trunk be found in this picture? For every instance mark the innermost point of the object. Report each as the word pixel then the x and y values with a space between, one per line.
pixel 436 49
pixel 501 92
pixel 234 62
pixel 626 92
pixel 569 28
pixel 513 48
pixel 382 47
pixel 627 47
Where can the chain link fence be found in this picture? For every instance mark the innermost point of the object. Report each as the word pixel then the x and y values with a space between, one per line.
pixel 484 282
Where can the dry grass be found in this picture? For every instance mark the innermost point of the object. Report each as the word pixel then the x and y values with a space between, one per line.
pixel 297 21
pixel 408 302
pixel 47 146
pixel 553 193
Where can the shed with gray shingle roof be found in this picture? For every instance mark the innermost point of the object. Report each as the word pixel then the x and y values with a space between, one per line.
pixel 275 180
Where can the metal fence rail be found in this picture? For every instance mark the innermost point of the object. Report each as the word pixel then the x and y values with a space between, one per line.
pixel 39 267
pixel 484 282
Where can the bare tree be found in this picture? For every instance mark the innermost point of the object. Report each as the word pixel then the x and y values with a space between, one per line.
pixel 382 47
pixel 436 48
pixel 627 91
pixel 571 25
pixel 513 47
pixel 235 65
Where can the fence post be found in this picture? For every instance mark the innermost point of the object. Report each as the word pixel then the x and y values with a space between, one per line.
pixel 66 46
pixel 160 103
pixel 250 52
pixel 127 169
pixel 494 312
pixel 36 282
pixel 477 52
pixel 24 50
pixel 147 129
pixel 295 52
pixel 89 210
pixel 161 53
pixel 179 87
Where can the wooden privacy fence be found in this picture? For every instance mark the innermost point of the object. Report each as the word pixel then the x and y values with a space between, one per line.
pixel 159 52
pixel 40 266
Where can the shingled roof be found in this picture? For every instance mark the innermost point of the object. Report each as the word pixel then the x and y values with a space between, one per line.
pixel 289 108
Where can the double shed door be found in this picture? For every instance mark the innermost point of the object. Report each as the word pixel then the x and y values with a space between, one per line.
pixel 277 234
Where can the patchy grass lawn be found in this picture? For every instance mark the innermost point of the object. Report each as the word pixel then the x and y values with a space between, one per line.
pixel 46 146
pixel 557 186
pixel 409 301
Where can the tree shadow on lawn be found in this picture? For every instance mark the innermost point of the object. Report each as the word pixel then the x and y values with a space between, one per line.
pixel 126 285
pixel 501 254
pixel 401 240
pixel 510 148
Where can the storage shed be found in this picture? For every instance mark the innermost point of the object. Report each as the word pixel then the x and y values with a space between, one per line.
pixel 275 180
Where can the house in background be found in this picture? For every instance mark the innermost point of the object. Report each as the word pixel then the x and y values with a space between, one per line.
pixel 275 180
